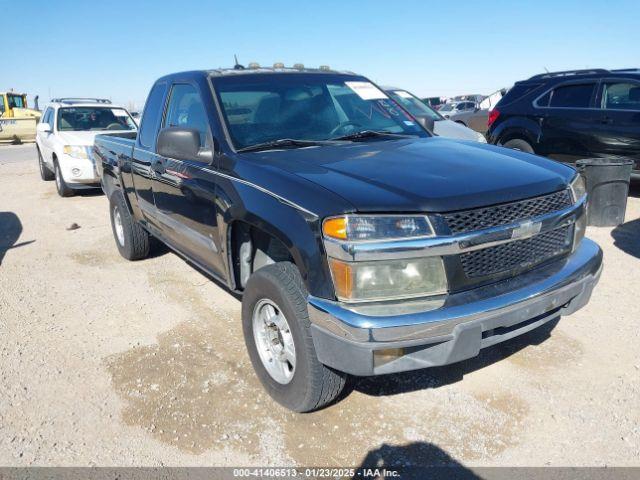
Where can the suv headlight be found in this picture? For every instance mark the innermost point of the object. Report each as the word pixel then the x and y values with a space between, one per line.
pixel 76 151
pixel 383 279
pixel 578 187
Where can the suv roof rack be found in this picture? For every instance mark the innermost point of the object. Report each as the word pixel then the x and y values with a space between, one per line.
pixel 622 70
pixel 567 73
pixel 71 100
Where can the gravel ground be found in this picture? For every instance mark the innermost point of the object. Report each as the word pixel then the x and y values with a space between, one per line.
pixel 107 362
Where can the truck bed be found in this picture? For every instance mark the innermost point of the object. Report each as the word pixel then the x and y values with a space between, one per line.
pixel 109 149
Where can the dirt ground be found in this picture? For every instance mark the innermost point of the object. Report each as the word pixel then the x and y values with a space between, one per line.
pixel 108 362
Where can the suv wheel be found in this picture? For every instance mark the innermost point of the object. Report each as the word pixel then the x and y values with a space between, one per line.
pixel 45 173
pixel 518 144
pixel 131 239
pixel 277 332
pixel 61 185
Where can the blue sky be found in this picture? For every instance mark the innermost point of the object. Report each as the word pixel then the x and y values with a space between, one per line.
pixel 117 48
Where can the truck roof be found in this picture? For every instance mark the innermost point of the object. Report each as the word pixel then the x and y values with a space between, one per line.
pixel 219 72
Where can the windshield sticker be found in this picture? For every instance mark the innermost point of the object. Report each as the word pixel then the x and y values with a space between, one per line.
pixel 403 94
pixel 118 112
pixel 366 90
pixel 407 122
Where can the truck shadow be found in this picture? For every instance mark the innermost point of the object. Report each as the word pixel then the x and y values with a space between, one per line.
pixel 10 228
pixel 627 237
pixel 416 460
pixel 435 377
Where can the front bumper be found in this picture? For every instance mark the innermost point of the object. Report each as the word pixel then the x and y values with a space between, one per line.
pixel 456 330
pixel 78 172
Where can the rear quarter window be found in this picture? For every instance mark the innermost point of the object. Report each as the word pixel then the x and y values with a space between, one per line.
pixel 572 96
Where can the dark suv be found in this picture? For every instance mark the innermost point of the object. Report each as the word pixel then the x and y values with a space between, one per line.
pixel 572 115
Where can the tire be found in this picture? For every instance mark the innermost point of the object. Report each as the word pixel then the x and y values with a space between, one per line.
pixel 45 174
pixel 518 144
pixel 131 239
pixel 61 185
pixel 312 384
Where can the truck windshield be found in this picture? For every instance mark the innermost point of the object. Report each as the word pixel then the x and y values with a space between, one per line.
pixel 261 108
pixel 413 104
pixel 84 119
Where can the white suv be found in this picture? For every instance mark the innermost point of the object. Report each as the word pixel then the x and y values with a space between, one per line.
pixel 65 136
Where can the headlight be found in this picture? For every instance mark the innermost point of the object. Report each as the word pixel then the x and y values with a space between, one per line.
pixel 388 279
pixel 578 187
pixel 76 151
pixel 362 281
pixel 378 227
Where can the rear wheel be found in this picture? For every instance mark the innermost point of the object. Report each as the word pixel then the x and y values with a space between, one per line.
pixel 61 185
pixel 45 173
pixel 131 239
pixel 277 332
pixel 518 144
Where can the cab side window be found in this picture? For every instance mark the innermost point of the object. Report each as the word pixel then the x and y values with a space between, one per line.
pixel 186 110
pixel 151 116
pixel 46 118
pixel 572 96
pixel 621 96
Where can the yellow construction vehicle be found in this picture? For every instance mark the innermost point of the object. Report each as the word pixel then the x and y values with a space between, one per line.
pixel 17 120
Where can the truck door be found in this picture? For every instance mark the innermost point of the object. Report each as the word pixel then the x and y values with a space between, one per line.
pixel 144 152
pixel 184 190
pixel 569 122
pixel 619 119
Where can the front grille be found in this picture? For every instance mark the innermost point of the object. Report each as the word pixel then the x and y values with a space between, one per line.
pixel 517 255
pixel 506 213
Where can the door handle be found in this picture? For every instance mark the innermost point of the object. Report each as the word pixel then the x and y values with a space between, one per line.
pixel 158 167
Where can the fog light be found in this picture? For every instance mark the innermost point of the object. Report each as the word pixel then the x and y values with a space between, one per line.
pixel 382 357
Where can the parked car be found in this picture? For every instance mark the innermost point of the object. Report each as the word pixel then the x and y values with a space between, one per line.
pixel 65 136
pixel 468 114
pixel 432 119
pixel 434 102
pixel 361 245
pixel 572 115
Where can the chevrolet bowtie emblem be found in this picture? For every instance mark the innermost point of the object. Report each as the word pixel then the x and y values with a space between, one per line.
pixel 526 229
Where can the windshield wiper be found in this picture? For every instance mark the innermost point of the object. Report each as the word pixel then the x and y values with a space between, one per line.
pixel 370 134
pixel 285 143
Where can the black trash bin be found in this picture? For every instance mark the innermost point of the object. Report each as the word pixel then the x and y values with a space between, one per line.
pixel 607 181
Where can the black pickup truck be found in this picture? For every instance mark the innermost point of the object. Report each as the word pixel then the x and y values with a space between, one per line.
pixel 361 243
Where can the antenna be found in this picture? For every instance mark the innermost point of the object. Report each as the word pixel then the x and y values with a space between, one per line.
pixel 237 66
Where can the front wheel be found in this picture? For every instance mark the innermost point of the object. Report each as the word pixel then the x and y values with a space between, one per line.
pixel 61 185
pixel 45 173
pixel 277 332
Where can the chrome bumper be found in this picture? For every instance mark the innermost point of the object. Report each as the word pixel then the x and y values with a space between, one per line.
pixel 462 325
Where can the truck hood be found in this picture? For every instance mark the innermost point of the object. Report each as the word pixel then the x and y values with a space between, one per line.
pixel 82 138
pixel 426 175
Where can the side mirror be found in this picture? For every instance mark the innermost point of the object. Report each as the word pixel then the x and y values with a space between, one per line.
pixel 44 128
pixel 182 144
pixel 428 123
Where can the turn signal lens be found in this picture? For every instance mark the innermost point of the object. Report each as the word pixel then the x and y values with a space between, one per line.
pixel 335 228
pixel 342 278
